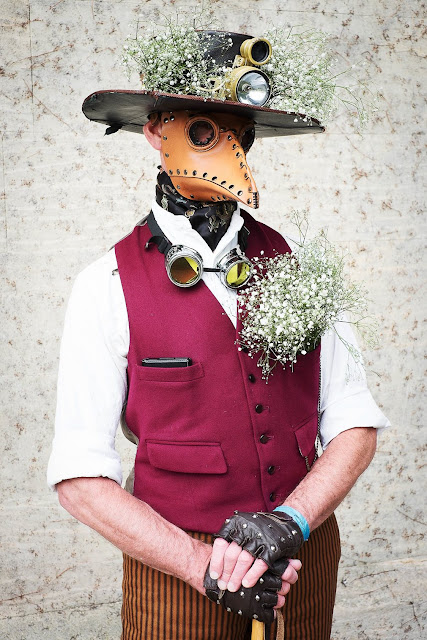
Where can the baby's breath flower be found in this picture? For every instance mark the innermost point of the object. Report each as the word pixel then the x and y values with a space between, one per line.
pixel 285 312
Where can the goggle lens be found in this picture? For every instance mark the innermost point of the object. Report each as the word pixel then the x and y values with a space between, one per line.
pixel 184 270
pixel 238 274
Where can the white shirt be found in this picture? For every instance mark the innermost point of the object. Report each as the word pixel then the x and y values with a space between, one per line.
pixel 92 383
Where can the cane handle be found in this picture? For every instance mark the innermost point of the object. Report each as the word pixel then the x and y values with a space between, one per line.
pixel 257 630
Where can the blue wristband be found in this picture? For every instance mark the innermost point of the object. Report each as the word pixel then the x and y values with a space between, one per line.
pixel 299 519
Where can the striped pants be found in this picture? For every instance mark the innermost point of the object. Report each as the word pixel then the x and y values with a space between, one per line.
pixel 157 606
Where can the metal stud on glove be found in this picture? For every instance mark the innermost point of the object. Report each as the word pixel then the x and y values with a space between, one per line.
pixel 269 536
pixel 256 602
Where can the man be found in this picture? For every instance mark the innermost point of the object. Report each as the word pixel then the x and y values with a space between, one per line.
pixel 212 437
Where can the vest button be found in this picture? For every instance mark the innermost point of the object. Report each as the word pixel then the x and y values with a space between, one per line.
pixel 263 439
pixel 272 497
pixel 271 469
pixel 259 408
pixel 251 377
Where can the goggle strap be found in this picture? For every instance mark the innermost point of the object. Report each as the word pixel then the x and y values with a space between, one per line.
pixel 158 237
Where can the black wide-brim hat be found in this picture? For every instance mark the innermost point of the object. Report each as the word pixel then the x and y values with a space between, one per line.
pixel 129 110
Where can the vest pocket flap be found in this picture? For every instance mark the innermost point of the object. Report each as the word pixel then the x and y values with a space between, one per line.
pixel 306 433
pixel 187 457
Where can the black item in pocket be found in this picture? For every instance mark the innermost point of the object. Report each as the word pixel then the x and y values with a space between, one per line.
pixel 167 363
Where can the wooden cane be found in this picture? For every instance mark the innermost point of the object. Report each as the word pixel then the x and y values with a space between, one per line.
pixel 257 630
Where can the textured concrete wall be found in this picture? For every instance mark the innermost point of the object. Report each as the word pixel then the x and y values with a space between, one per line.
pixel 69 193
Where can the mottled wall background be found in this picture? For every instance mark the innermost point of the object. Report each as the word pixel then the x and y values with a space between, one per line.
pixel 68 193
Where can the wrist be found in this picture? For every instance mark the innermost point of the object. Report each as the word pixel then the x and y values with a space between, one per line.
pixel 198 563
pixel 297 517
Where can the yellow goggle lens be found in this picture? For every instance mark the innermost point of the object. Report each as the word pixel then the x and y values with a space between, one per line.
pixel 184 270
pixel 238 274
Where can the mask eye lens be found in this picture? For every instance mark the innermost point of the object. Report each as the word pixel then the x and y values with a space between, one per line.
pixel 201 133
pixel 248 138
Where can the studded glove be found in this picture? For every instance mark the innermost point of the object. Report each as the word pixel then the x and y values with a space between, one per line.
pixel 268 536
pixel 256 602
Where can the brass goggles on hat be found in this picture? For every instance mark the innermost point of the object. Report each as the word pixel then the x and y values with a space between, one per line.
pixel 184 265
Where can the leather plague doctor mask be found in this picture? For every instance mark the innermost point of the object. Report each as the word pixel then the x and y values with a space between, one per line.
pixel 205 156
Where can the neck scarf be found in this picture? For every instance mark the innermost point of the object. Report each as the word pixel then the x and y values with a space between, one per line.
pixel 210 220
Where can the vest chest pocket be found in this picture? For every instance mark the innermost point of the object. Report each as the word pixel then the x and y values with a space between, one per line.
pixel 187 457
pixel 170 374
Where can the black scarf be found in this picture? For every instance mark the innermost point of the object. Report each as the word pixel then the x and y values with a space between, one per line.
pixel 210 220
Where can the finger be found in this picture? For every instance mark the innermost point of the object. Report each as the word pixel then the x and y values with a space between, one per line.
pixel 255 572
pixel 243 564
pixel 220 546
pixel 230 558
pixel 280 602
pixel 297 564
pixel 285 588
pixel 290 575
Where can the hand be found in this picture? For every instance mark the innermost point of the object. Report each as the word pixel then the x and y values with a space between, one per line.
pixel 257 602
pixel 235 567
pixel 261 535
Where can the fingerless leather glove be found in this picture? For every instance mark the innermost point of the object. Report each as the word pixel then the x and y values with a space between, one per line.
pixel 256 602
pixel 268 536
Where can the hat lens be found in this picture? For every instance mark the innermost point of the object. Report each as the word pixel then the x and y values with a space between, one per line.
pixel 238 274
pixel 201 133
pixel 184 270
pixel 260 51
pixel 253 88
pixel 248 138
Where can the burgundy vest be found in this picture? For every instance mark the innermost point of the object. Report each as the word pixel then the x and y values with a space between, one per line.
pixel 214 436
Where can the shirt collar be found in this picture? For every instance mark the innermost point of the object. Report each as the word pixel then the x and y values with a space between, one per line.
pixel 178 230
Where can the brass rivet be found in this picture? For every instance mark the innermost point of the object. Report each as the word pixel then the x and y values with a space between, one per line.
pixel 178 172
pixel 204 175
pixel 185 172
pixel 215 178
pixel 194 173
pixel 249 200
pixel 231 186
pixel 165 137
pixel 238 155
pixel 166 120
pixel 170 172
pixel 239 193
pixel 229 137
pixel 191 196
pixel 172 118
pixel 224 182
pixel 166 155
pixel 212 198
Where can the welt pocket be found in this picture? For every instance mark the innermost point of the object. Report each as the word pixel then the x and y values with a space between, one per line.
pixel 187 457
pixel 305 433
pixel 171 374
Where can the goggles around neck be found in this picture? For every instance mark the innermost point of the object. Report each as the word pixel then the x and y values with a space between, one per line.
pixel 184 265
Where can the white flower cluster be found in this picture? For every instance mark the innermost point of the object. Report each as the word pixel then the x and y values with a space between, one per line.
pixel 300 71
pixel 304 82
pixel 173 59
pixel 293 299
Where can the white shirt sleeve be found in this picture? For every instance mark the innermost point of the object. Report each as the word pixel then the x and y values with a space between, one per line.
pixel 345 400
pixel 92 383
